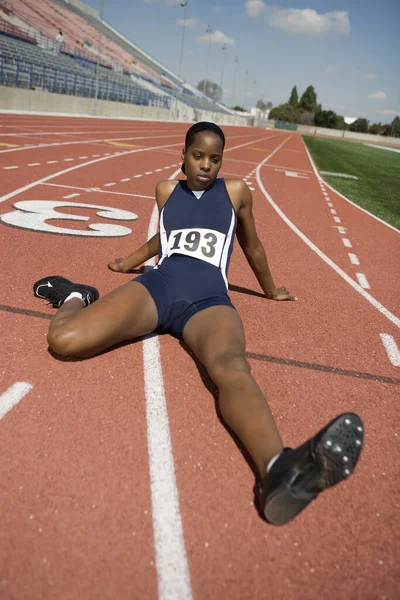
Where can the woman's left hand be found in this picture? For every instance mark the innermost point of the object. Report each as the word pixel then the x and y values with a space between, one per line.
pixel 282 294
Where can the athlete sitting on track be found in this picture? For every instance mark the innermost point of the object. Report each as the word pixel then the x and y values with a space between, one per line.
pixel 186 295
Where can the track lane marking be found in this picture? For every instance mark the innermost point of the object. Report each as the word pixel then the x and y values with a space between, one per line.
pixel 375 303
pixel 75 167
pixel 13 395
pixel 354 259
pixel 74 187
pixel 173 576
pixel 391 348
pixel 319 177
pixel 363 281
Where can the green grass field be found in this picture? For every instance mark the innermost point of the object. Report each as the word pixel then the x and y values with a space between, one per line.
pixel 377 188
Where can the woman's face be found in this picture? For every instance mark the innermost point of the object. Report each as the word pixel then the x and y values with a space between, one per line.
pixel 203 160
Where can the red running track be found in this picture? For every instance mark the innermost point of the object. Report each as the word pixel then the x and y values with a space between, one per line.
pixel 87 494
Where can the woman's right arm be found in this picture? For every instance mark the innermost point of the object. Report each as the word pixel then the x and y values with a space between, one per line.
pixel 124 265
pixel 140 256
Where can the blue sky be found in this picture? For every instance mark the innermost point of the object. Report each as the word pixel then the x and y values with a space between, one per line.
pixel 347 49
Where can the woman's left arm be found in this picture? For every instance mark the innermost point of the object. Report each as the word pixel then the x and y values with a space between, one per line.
pixel 253 249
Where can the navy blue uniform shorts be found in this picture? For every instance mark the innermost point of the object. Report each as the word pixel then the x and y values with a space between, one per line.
pixel 177 303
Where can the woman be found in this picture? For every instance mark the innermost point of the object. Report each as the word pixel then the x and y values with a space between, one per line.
pixel 186 295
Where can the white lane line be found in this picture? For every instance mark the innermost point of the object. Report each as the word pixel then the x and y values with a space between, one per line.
pixel 342 230
pixel 81 157
pixel 391 348
pixel 148 172
pixel 126 179
pixel 353 259
pixel 70 196
pixel 74 168
pixel 330 204
pixel 337 219
pixel 33 164
pixel 96 155
pixel 333 211
pixel 68 159
pixel 12 396
pixel 110 184
pixel 12 167
pixel 52 162
pixel 344 197
pixel 74 187
pixel 171 559
pixel 158 170
pixel 347 242
pixel 363 281
pixel 375 303
pixel 137 176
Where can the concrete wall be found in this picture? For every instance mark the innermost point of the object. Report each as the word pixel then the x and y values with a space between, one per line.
pixel 45 102
pixel 349 135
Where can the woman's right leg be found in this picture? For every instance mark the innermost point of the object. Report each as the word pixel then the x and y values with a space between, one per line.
pixel 124 314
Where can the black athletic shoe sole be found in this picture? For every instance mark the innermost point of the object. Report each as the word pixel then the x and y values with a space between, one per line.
pixel 89 293
pixel 298 476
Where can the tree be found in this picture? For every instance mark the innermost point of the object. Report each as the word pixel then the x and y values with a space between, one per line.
pixel 375 128
pixel 308 101
pixel 210 89
pixel 294 98
pixel 360 125
pixel 285 112
pixel 239 108
pixel 328 119
pixel 261 105
pixel 307 118
pixel 395 127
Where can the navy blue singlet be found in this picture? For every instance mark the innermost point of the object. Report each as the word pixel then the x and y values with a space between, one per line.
pixel 196 243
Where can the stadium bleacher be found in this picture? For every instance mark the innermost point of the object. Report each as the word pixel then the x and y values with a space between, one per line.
pixel 30 58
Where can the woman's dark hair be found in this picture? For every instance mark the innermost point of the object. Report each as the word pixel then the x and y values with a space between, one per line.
pixel 199 127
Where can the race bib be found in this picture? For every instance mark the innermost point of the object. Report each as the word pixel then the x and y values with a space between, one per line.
pixel 204 244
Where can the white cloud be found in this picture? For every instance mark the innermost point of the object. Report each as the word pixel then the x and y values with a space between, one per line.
pixel 189 22
pixel 331 70
pixel 370 76
pixel 304 21
pixel 254 8
pixel 218 9
pixel 388 111
pixel 216 37
pixel 378 95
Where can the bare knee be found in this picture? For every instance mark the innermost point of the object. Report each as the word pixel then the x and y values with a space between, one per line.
pixel 66 341
pixel 228 365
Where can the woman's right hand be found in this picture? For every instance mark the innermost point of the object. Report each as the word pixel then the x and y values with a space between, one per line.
pixel 117 266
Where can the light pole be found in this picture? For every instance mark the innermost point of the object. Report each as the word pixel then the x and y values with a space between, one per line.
pixel 209 32
pixel 98 57
pixel 183 5
pixel 223 48
pixel 245 88
pixel 236 61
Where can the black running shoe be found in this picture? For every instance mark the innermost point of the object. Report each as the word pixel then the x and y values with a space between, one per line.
pixel 56 289
pixel 298 476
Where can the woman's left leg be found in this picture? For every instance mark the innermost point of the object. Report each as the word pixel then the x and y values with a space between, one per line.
pixel 217 339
